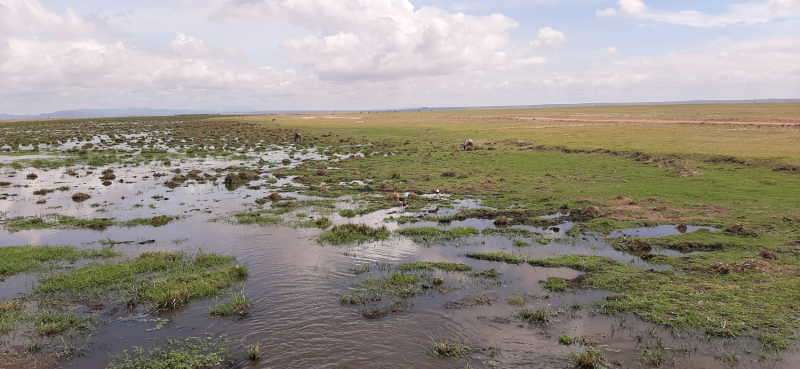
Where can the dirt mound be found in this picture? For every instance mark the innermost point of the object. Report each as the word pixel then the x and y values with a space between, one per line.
pixel 751 264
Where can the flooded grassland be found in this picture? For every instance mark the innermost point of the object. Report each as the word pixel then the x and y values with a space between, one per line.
pixel 189 242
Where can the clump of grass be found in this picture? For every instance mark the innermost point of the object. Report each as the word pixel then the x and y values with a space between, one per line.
pixel 433 234
pixel 516 300
pixel 156 221
pixel 161 255
pixel 348 213
pixel 189 353
pixel 10 315
pixel 400 279
pixel 554 284
pixel 20 259
pixel 520 243
pixel 352 299
pixel 254 352
pixel 532 316
pixel 238 304
pixel 51 322
pixel 160 279
pixel 496 256
pixel 80 197
pixel 427 265
pixel 449 349
pixel 354 233
pixel 565 339
pixel 590 359
pixel 491 273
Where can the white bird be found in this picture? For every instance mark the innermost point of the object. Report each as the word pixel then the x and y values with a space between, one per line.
pixel 438 193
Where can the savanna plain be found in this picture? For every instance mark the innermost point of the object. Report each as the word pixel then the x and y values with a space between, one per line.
pixel 585 237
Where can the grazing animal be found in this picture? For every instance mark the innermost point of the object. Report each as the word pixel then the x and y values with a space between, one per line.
pixel 470 144
pixel 297 137
pixel 273 119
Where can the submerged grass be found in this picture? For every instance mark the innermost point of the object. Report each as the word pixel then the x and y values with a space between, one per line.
pixel 189 353
pixel 68 222
pixel 238 304
pixel 434 235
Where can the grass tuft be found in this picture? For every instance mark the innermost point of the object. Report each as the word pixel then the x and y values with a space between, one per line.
pixel 354 233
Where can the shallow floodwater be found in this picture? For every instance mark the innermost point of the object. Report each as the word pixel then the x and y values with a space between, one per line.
pixel 296 282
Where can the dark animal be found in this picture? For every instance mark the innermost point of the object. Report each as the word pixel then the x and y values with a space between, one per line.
pixel 297 137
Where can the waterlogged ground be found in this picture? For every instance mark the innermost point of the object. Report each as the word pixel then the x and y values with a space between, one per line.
pixel 332 304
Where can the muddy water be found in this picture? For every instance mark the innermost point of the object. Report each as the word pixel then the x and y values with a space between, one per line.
pixel 295 283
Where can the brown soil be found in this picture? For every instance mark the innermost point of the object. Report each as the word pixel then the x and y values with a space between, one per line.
pixel 41 361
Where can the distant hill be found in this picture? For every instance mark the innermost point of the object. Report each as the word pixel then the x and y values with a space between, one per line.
pixel 145 112
pixel 110 113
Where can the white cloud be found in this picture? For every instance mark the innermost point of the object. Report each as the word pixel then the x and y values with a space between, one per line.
pixel 747 13
pixel 722 70
pixel 548 37
pixel 612 50
pixel 188 46
pixel 29 16
pixel 390 39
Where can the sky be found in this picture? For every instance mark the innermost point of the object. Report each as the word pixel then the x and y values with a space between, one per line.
pixel 244 55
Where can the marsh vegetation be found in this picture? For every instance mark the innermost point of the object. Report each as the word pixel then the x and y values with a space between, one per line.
pixel 677 226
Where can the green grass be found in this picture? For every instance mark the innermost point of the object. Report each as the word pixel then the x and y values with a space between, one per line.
pixel 532 316
pixel 51 323
pixel 20 259
pixel 434 235
pixel 554 284
pixel 700 240
pixel 508 232
pixel 743 301
pixel 599 225
pixel 448 349
pixel 162 280
pixel 491 273
pixel 353 233
pixel 348 213
pixel 496 256
pixel 237 304
pixel 189 353
pixel 156 221
pixel 565 339
pixel 11 312
pixel 427 265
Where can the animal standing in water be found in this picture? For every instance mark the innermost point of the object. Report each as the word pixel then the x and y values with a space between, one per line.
pixel 438 193
pixel 297 137
pixel 470 144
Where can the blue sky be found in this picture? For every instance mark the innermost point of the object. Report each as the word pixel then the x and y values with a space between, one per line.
pixel 383 54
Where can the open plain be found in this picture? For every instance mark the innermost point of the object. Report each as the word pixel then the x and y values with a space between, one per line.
pixel 630 236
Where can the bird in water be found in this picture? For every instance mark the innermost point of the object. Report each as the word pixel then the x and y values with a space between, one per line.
pixel 402 201
pixel 438 193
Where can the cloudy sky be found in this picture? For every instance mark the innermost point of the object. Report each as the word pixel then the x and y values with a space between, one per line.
pixel 383 54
